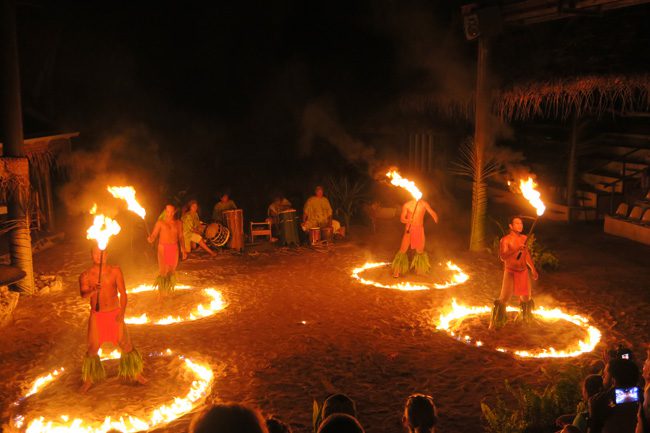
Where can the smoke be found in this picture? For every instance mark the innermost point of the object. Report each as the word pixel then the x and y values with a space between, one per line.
pixel 127 158
pixel 320 122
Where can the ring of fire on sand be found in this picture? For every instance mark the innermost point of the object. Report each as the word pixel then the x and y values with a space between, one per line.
pixel 215 298
pixel 203 377
pixel 452 316
pixel 458 277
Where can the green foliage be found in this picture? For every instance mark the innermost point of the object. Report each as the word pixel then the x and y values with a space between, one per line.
pixel 346 197
pixel 543 258
pixel 535 411
pixel 316 415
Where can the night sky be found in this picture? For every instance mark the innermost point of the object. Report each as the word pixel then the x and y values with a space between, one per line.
pixel 222 95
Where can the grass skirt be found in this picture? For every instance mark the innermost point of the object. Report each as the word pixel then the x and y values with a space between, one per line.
pixel 131 364
pixel 400 263
pixel 421 263
pixel 92 369
pixel 166 284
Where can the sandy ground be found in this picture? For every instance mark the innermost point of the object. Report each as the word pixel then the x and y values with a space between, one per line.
pixel 376 345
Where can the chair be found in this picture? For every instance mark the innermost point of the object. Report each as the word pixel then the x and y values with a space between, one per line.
pixel 636 213
pixel 260 229
pixel 645 219
pixel 621 210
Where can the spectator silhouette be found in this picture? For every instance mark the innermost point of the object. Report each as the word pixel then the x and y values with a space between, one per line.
pixel 340 423
pixel 420 414
pixel 228 418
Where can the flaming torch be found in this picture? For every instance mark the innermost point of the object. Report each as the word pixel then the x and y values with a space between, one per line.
pixel 127 193
pixel 399 181
pixel 102 229
pixel 527 188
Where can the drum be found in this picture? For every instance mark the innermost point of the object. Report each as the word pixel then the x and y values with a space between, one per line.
pixel 216 235
pixel 314 235
pixel 327 233
pixel 235 222
pixel 288 227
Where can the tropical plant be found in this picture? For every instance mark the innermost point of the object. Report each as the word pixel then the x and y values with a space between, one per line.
pixel 346 197
pixel 478 165
pixel 535 411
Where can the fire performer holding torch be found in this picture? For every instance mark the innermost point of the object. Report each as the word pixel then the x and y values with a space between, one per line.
pixel 102 283
pixel 412 216
pixel 513 251
pixel 170 230
pixel 516 258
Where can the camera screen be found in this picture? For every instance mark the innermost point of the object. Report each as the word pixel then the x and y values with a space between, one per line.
pixel 625 356
pixel 627 395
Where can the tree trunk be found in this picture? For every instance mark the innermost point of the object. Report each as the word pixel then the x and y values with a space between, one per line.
pixel 481 139
pixel 572 165
pixel 20 240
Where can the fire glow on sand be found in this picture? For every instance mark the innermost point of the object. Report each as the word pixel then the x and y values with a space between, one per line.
pixel 456 313
pixel 217 303
pixel 459 277
pixel 126 423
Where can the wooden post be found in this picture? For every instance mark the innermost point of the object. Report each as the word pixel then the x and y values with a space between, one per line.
pixel 20 240
pixel 572 167
pixel 482 134
pixel 48 201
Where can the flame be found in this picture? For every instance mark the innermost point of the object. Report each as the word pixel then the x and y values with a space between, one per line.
pixel 164 414
pixel 527 188
pixel 93 210
pixel 458 312
pixel 102 229
pixel 127 193
pixel 397 180
pixel 217 303
pixel 459 277
pixel 43 381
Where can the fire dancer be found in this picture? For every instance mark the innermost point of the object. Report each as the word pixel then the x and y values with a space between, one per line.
pixel 412 216
pixel 516 258
pixel 106 323
pixel 171 234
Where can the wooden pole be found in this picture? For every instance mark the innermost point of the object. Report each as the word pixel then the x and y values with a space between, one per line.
pixel 572 167
pixel 481 140
pixel 20 240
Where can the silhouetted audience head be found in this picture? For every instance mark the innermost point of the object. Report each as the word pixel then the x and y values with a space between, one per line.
pixel 340 423
pixel 339 403
pixel 275 425
pixel 420 414
pixel 592 385
pixel 228 418
pixel 621 373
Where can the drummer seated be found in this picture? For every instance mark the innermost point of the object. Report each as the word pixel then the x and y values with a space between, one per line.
pixel 279 204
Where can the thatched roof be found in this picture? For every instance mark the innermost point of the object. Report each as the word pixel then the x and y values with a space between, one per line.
pixel 583 65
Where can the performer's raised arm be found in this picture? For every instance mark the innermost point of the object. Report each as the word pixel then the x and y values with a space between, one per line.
pixel 119 282
pixel 531 264
pixel 405 218
pixel 85 290
pixel 431 212
pixel 154 234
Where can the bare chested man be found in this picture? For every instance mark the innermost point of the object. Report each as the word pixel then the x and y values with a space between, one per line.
pixel 107 324
pixel 413 213
pixel 171 235
pixel 516 259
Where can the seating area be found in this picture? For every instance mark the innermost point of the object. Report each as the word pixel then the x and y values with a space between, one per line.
pixel 632 224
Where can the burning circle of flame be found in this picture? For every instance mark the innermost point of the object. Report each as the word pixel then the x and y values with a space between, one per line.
pixel 127 193
pixel 204 376
pixel 397 180
pixel 217 303
pixel 459 277
pixel 458 313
